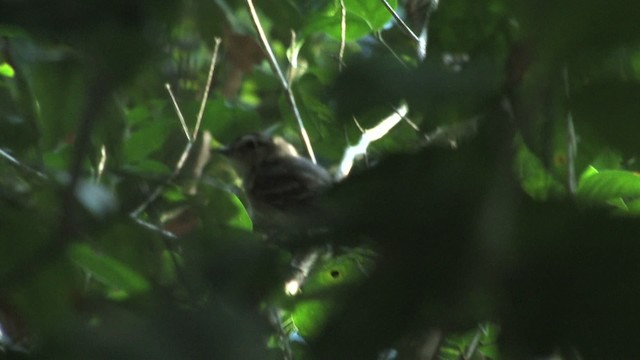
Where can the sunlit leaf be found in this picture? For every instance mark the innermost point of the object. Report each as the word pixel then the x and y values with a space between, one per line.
pixel 6 70
pixel 608 184
pixel 362 17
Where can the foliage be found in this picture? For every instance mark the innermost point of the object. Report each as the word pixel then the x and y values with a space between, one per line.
pixel 499 223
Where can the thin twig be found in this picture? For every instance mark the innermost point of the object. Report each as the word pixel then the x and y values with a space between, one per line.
pixel 343 34
pixel 192 138
pixel 283 79
pixel 276 321
pixel 402 24
pixel 102 162
pixel 149 226
pixel 180 116
pixel 156 193
pixel 411 124
pixel 293 58
pixel 424 33
pixel 473 346
pixel 358 125
pixel 205 96
pixel 572 146
pixel 395 55
pixel 21 166
pixel 265 44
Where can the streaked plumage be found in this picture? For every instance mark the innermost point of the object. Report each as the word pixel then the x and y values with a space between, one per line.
pixel 275 177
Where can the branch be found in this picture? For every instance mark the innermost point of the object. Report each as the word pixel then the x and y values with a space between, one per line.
pixel 473 346
pixel 180 116
pixel 294 51
pixel 164 233
pixel 283 79
pixel 343 33
pixel 205 96
pixel 369 136
pixel 20 165
pixel 402 24
pixel 192 138
pixel 572 143
pixel 156 193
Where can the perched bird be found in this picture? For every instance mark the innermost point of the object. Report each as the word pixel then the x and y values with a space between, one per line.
pixel 275 177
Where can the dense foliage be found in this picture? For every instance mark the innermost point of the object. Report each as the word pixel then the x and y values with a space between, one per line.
pixel 499 221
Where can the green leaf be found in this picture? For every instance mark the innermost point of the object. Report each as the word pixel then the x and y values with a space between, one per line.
pixel 61 89
pixel 107 270
pixel 241 220
pixel 225 209
pixel 148 167
pixel 373 12
pixel 146 140
pixel 6 70
pixel 362 18
pixel 138 114
pixel 325 287
pixel 535 179
pixel 608 184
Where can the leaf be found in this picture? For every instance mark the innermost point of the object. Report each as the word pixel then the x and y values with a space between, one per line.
pixel 225 209
pixel 325 288
pixel 6 70
pixel 60 88
pixel 149 166
pixel 146 140
pixel 107 270
pixel 362 18
pixel 138 114
pixel 535 179
pixel 373 12
pixel 609 184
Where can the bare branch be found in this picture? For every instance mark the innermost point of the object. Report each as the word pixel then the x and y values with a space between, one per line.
pixel 572 143
pixel 369 136
pixel 192 138
pixel 358 125
pixel 293 58
pixel 402 24
pixel 205 95
pixel 164 233
pixel 283 79
pixel 21 166
pixel 395 55
pixel 343 33
pixel 101 162
pixel 411 124
pixel 473 346
pixel 175 105
pixel 156 193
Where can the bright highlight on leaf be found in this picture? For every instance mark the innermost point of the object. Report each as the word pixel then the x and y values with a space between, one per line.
pixel 6 70
pixel 608 184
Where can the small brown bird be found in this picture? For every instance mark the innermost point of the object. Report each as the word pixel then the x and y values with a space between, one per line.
pixel 275 177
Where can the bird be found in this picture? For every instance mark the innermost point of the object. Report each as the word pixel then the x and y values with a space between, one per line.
pixel 278 181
